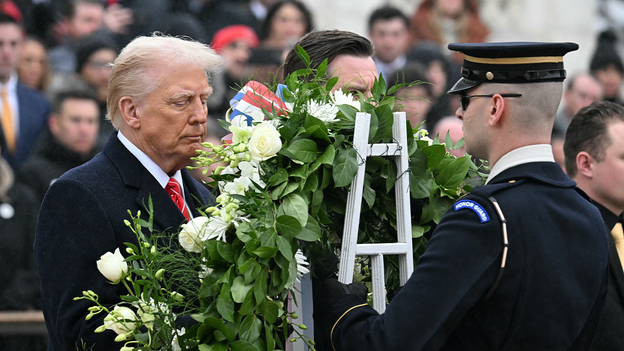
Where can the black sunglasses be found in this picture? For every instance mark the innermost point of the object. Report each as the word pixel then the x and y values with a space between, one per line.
pixel 464 100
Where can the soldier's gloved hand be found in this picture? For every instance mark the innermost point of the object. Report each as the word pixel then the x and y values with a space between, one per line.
pixel 331 290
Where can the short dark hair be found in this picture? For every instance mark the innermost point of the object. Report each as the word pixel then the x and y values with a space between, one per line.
pixel 6 19
pixel 80 94
pixel 386 13
pixel 588 132
pixel 265 27
pixel 327 44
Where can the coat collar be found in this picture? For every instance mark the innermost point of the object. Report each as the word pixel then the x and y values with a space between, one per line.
pixel 545 172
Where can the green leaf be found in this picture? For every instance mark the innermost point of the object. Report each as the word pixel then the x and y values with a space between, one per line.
pixel 312 183
pixel 320 71
pixel 226 251
pixel 421 186
pixel 303 55
pixel 250 328
pixel 345 167
pixel 242 345
pixel 288 226
pixel 349 112
pixel 327 178
pixel 296 206
pixel 311 232
pixel 331 83
pixel 368 193
pixel 417 231
pixel 303 150
pixel 217 323
pixel 452 171
pixel 435 154
pixel 269 310
pixel 265 252
pixel 249 304
pixel 280 176
pixel 385 120
pixel 327 158
pixel 285 248
pixel 292 186
pixel 260 287
pixel 240 289
pixel 252 273
pixel 277 192
pixel 226 310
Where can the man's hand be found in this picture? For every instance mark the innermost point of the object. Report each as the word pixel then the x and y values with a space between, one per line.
pixel 331 290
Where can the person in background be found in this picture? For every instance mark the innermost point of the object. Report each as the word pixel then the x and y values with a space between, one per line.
pixel 81 18
pixel 70 141
pixel 454 127
pixel 23 112
pixel 388 30
pixel 33 69
pixel 594 145
pixel 582 90
pixel 415 97
pixel 286 22
pixel 448 21
pixel 235 44
pixel 349 57
pixel 94 58
pixel 607 67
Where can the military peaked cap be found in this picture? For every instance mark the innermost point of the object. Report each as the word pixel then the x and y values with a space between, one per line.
pixel 513 62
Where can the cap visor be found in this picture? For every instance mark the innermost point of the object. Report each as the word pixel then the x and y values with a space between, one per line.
pixel 462 85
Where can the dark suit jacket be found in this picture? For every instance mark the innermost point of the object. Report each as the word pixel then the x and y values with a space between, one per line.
pixel 34 111
pixel 81 218
pixel 609 336
pixel 550 295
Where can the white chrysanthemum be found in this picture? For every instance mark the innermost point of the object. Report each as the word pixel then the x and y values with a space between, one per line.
pixel 341 98
pixel 302 263
pixel 324 112
pixel 238 186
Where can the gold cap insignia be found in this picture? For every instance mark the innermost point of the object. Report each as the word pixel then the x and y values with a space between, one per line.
pixel 489 75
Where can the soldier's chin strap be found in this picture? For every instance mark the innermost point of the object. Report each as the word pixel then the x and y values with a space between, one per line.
pixel 505 249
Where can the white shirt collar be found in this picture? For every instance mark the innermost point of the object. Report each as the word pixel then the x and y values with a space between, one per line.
pixel 390 67
pixel 161 177
pixel 11 85
pixel 522 155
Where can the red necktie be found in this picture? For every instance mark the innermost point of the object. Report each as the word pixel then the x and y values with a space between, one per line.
pixel 173 189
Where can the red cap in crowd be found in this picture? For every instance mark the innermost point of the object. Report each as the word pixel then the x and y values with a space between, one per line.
pixel 230 34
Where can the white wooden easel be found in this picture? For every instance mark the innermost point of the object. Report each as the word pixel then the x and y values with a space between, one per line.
pixel 403 248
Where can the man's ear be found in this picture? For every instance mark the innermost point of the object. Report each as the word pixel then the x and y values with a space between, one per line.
pixel 53 124
pixel 495 109
pixel 129 109
pixel 584 164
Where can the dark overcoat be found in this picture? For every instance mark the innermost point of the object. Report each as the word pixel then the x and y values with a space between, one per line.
pixel 81 218
pixel 550 295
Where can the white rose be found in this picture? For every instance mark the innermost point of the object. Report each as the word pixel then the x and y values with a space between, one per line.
pixel 121 320
pixel 192 233
pixel 112 266
pixel 265 142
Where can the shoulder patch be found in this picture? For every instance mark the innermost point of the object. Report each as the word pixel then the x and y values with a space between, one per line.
pixel 478 209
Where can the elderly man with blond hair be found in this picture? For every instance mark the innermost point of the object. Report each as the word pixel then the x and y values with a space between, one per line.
pixel 157 102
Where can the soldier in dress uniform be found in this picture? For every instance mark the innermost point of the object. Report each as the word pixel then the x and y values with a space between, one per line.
pixel 518 264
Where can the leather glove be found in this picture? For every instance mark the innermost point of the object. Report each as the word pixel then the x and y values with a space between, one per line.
pixel 331 290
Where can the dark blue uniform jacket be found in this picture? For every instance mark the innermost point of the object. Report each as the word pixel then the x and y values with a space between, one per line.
pixel 550 295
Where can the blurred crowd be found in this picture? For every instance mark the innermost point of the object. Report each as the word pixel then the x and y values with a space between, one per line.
pixel 55 62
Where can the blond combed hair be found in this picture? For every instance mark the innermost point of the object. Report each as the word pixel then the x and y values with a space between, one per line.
pixel 133 70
